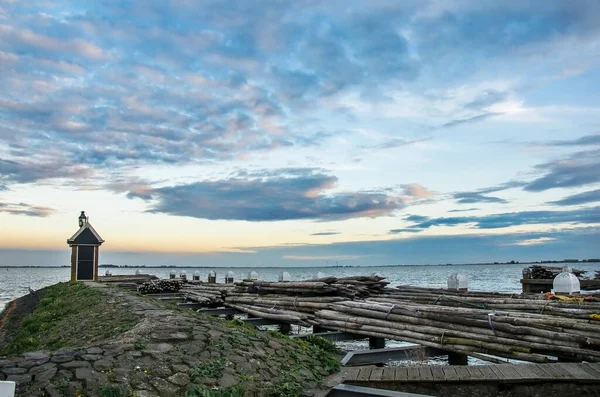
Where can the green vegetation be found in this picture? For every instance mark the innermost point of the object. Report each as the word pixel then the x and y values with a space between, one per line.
pixel 212 369
pixel 66 315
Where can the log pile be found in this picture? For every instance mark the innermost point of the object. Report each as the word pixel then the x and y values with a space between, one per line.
pixel 597 275
pixel 574 307
pixel 538 272
pixel 358 287
pixel 521 336
pixel 208 294
pixel 159 286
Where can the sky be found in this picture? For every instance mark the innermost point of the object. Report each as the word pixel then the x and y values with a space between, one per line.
pixel 300 133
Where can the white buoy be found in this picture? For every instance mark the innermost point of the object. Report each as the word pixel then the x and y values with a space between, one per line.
pixel 229 277
pixel 320 275
pixel 253 275
pixel 7 388
pixel 183 275
pixel 172 274
pixel 285 277
pixel 566 282
pixel 196 276
pixel 107 273
pixel 458 282
pixel 137 272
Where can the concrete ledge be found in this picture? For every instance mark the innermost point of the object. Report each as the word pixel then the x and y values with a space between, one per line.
pixel 358 391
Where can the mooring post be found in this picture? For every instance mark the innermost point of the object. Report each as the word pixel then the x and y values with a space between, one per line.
pixel 285 328
pixel 457 359
pixel 376 342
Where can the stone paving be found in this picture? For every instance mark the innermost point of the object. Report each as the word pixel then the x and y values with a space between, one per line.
pixel 161 356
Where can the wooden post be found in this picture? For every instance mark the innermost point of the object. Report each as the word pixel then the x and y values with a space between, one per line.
pixel 458 359
pixel 376 342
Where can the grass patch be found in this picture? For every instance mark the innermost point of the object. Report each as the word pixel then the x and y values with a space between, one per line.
pixel 66 315
pixel 212 369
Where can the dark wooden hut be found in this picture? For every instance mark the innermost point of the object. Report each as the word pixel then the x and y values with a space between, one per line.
pixel 85 244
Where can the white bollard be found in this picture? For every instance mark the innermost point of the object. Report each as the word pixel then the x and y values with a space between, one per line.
pixel 458 282
pixel 285 277
pixel 7 389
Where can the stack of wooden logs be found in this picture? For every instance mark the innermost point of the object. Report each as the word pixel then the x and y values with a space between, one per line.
pixel 348 287
pixel 575 307
pixel 515 335
pixel 208 294
pixel 159 286
pixel 597 275
pixel 549 272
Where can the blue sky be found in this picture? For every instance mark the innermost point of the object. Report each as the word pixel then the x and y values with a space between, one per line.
pixel 301 132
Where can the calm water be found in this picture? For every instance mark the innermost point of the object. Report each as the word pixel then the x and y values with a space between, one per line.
pixel 14 282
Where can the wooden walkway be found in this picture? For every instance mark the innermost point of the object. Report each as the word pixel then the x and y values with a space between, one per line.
pixel 503 373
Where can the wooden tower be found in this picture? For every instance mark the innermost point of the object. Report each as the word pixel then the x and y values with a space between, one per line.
pixel 85 244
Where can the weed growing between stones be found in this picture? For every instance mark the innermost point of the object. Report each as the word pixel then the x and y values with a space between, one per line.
pixel 213 369
pixel 113 391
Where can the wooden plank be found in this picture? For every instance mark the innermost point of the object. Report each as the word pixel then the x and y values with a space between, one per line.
pixel 590 369
pixel 497 371
pixel 389 374
pixel 425 374
pixel 413 374
pixel 352 374
pixel 509 372
pixel 575 370
pixel 376 374
pixel 594 366
pixel 365 374
pixel 552 373
pixel 475 373
pixel 526 371
pixel 487 372
pixel 401 374
pixel 450 373
pixel 540 373
pixel 463 373
pixel 438 373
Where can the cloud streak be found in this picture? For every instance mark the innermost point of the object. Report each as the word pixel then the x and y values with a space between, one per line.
pixel 270 196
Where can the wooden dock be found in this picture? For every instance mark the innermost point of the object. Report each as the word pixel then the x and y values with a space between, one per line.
pixel 572 372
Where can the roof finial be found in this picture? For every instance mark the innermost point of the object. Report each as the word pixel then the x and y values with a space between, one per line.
pixel 82 219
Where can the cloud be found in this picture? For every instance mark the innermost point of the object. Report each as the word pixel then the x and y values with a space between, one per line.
pixel 417 191
pixel 405 230
pixel 586 140
pixel 325 233
pixel 464 210
pixel 486 99
pixel 579 198
pixel 579 169
pixel 534 241
pixel 26 209
pixel 470 120
pixel 321 258
pixel 26 172
pixel 474 197
pixel 502 220
pixel 416 218
pixel 272 195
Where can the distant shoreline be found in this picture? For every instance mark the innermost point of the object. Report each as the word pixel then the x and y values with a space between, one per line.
pixel 110 266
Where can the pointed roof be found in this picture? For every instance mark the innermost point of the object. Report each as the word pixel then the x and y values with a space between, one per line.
pixel 86 235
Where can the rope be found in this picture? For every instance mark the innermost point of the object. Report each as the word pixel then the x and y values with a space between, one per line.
pixel 451 298
pixel 295 299
pixel 490 315
pixel 442 338
pixel 544 307
pixel 390 311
